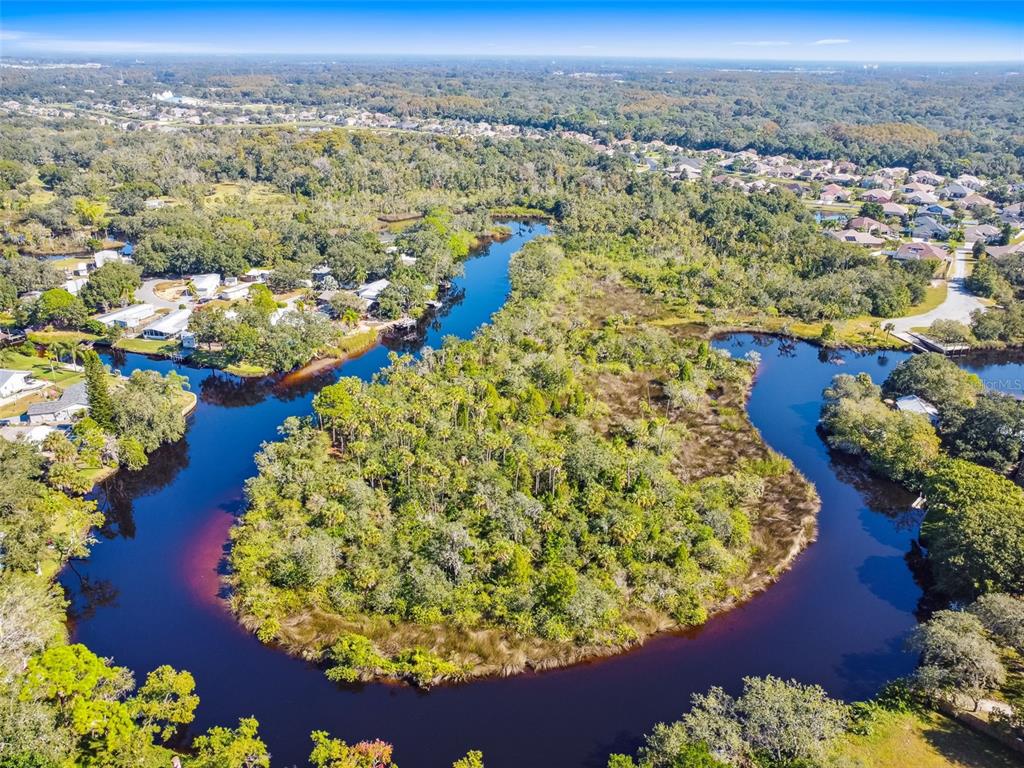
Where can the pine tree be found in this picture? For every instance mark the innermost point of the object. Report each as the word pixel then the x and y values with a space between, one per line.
pixel 101 408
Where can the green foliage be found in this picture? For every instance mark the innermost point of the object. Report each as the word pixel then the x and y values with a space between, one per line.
pixel 475 489
pixel 334 753
pixel 111 285
pixel 149 410
pixel 473 759
pixel 985 280
pixel 91 703
pixel 974 530
pixel 253 336
pixel 1003 616
pixel 101 407
pixel 900 445
pixel 935 378
pixel 38 523
pixel 59 308
pixel 990 433
pixel 957 657
pixel 773 723
pixel 239 747
pixel 131 454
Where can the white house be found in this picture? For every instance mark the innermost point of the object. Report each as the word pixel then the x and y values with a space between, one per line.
pixel 256 275
pixel 106 257
pixel 128 317
pixel 74 285
pixel 205 286
pixel 232 292
pixel 12 382
pixel 169 326
pixel 371 291
pixel 914 404
pixel 73 400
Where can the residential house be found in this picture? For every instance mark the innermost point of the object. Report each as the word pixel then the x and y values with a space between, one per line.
pixel 74 285
pixel 922 198
pixel 13 382
pixel 106 257
pixel 876 196
pixel 846 179
pixel 986 233
pixel 833 193
pixel 26 434
pixel 688 168
pixel 915 186
pixel 927 228
pixel 974 200
pixel 369 292
pixel 954 191
pixel 926 177
pixel 876 181
pixel 936 209
pixel 853 236
pixel 256 275
pixel 867 224
pixel 914 404
pixel 971 182
pixel 1013 214
pixel 72 401
pixel 920 252
pixel 998 251
pixel 234 292
pixel 895 209
pixel 205 286
pixel 170 326
pixel 127 318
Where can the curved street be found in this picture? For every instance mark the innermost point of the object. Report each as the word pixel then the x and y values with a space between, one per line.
pixel 959 303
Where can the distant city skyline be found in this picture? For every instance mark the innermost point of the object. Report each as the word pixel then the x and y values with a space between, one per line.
pixel 788 30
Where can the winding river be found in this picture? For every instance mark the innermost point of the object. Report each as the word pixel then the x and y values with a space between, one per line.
pixel 150 592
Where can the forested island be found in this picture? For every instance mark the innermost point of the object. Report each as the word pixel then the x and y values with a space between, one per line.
pixel 582 473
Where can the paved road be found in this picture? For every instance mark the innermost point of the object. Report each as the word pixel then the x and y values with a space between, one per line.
pixel 959 303
pixel 147 294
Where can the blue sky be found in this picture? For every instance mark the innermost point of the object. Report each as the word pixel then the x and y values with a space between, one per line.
pixel 791 30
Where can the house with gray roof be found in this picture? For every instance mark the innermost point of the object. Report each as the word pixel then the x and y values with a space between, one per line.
pixel 72 401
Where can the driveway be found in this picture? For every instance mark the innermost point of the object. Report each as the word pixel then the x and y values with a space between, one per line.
pixel 959 303
pixel 147 294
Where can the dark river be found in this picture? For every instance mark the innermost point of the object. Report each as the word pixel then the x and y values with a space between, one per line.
pixel 150 592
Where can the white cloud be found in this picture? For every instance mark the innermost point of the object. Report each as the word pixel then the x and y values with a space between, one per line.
pixel 10 34
pixel 763 43
pixel 831 41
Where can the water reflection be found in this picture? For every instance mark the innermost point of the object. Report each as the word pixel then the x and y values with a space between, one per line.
pixel 116 495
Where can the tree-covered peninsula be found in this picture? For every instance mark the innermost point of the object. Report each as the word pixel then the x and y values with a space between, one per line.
pixel 578 476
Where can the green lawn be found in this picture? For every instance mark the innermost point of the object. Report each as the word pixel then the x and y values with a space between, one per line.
pixel 934 295
pixel 909 740
pixel 149 346
pixel 49 337
pixel 40 367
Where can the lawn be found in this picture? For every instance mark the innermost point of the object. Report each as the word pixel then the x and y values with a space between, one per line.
pixel 40 367
pixel 149 346
pixel 931 740
pixel 49 337
pixel 934 295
